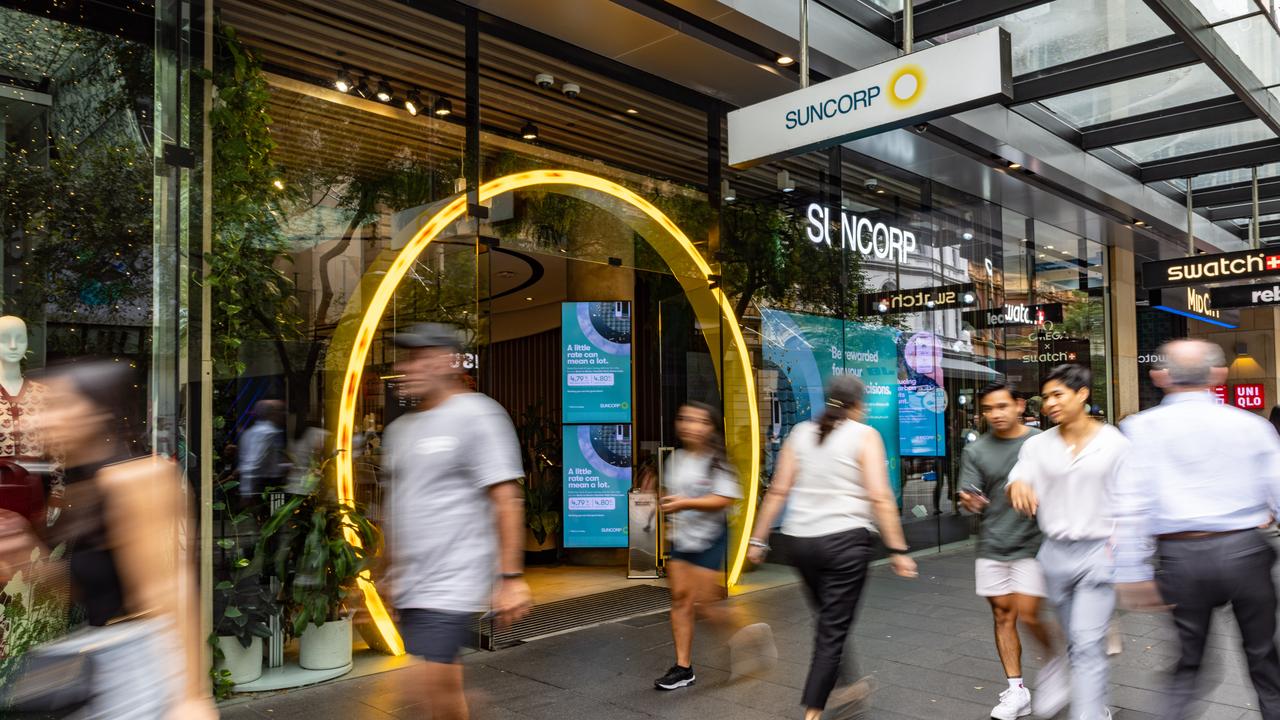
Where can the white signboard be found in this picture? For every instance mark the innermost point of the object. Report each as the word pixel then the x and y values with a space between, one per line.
pixel 940 80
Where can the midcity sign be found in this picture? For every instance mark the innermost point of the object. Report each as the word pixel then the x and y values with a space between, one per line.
pixel 1222 267
pixel 1195 302
pixel 941 80
pixel 1014 315
pixel 860 234
pixel 942 297
pixel 1239 296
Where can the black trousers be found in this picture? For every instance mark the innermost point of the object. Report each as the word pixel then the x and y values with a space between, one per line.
pixel 834 569
pixel 1198 576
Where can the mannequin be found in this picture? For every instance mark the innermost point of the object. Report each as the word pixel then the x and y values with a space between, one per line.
pixel 21 400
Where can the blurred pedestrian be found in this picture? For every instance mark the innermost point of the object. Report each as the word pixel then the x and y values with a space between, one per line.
pixel 262 450
pixel 127 559
pixel 832 476
pixel 701 486
pixel 1274 418
pixel 1203 478
pixel 456 514
pixel 1006 571
pixel 1065 477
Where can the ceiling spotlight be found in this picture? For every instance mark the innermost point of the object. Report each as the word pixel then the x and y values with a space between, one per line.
pixel 1139 223
pixel 967 234
pixel 529 131
pixel 443 107
pixel 632 111
pixel 528 299
pixel 413 102
pixel 384 91
pixel 785 60
pixel 785 183
pixel 1015 166
pixel 726 192
pixel 362 88
pixel 343 83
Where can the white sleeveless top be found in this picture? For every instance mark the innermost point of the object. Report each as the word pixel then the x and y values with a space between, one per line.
pixel 828 495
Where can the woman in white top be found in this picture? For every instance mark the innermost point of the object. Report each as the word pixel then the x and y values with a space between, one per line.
pixel 700 486
pixel 832 476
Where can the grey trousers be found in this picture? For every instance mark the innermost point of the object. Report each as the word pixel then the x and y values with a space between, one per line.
pixel 1078 577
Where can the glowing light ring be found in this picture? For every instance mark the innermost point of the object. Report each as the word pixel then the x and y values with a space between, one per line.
pixel 381 298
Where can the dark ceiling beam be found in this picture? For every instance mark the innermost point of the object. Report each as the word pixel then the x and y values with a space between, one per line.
pixel 1146 58
pixel 1269 206
pixel 1235 193
pixel 1269 229
pixel 1188 23
pixel 1230 158
pixel 943 16
pixel 1184 118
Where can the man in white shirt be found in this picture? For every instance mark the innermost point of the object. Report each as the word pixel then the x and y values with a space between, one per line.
pixel 1066 477
pixel 1202 479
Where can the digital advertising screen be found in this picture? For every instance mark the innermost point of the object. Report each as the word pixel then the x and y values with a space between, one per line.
pixel 595 362
pixel 807 350
pixel 922 399
pixel 597 478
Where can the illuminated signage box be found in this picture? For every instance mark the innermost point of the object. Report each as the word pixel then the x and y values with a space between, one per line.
pixel 941 297
pixel 1242 296
pixel 1248 396
pixel 1195 302
pixel 1014 315
pixel 1222 267
pixel 942 80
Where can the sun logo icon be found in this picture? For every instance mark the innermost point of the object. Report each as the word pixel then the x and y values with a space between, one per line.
pixel 906 86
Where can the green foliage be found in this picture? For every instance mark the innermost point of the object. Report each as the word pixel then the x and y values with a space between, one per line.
pixel 539 435
pixel 315 562
pixel 31 612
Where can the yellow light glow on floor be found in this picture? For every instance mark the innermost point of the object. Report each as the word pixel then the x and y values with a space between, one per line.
pixel 678 252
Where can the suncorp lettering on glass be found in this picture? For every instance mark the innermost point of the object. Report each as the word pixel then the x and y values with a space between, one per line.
pixel 940 80
pixel 860 235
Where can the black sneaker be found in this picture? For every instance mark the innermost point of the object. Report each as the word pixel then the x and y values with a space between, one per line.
pixel 677 677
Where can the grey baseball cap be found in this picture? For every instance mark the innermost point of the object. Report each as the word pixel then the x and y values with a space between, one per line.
pixel 424 335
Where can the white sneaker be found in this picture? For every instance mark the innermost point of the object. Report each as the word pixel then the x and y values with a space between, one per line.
pixel 1014 703
pixel 1053 687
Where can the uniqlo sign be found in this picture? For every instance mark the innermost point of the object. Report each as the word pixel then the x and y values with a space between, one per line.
pixel 1248 396
pixel 1219 394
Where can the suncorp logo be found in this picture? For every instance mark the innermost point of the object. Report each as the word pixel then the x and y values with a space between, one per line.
pixel 905 88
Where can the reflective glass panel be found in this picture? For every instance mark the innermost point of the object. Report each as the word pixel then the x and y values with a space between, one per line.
pixel 1140 95
pixel 1216 11
pixel 1067 30
pixel 1196 141
pixel 1257 44
pixel 1226 177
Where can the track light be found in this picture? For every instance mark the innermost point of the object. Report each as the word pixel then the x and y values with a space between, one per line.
pixel 726 192
pixel 442 107
pixel 384 91
pixel 529 131
pixel 785 60
pixel 785 183
pixel 413 102
pixel 362 88
pixel 343 82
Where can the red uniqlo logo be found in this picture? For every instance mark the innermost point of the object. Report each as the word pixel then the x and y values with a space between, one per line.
pixel 1273 262
pixel 1248 396
pixel 1220 394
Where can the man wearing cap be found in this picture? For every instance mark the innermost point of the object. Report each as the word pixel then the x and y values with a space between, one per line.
pixel 456 513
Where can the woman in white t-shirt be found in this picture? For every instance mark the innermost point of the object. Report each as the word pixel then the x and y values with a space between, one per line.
pixel 832 476
pixel 700 486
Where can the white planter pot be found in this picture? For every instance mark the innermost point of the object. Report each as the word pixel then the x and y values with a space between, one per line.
pixel 244 663
pixel 327 646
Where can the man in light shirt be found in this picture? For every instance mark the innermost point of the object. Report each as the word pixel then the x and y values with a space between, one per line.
pixel 1202 479
pixel 1066 477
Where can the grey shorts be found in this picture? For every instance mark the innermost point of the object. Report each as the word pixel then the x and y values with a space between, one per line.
pixel 435 635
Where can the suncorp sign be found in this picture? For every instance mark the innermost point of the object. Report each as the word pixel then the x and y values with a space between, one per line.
pixel 941 80
pixel 860 234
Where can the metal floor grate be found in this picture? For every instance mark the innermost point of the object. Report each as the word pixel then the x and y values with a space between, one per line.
pixel 573 613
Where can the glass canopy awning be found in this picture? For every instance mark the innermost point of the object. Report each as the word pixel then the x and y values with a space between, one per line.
pixel 1169 91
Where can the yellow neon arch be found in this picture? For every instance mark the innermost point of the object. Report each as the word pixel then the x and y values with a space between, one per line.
pixel 694 274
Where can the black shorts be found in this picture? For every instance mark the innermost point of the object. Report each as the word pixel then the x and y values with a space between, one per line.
pixel 435 635
pixel 712 558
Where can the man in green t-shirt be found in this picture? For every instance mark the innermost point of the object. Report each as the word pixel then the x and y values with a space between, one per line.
pixel 1006 572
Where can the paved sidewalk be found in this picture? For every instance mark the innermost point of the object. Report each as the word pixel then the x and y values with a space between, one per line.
pixel 927 642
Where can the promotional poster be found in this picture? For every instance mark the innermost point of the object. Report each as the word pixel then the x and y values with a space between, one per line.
pixel 595 363
pixel 597 478
pixel 922 398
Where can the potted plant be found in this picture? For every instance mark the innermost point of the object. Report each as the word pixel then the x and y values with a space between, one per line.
pixel 310 541
pixel 539 437
pixel 242 605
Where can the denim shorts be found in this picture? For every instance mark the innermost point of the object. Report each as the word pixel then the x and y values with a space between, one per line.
pixel 435 635
pixel 712 558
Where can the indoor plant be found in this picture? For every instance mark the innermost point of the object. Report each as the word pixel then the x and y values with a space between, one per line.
pixel 318 547
pixel 242 602
pixel 539 437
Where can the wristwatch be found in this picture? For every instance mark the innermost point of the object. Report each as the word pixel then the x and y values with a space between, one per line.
pixel 512 576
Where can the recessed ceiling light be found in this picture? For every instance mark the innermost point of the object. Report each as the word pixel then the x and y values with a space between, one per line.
pixel 529 131
pixel 442 107
pixel 1015 166
pixel 528 299
pixel 632 111
pixel 967 235
pixel 785 60
pixel 1140 223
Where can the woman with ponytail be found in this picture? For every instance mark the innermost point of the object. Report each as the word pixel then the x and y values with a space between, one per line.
pixel 832 476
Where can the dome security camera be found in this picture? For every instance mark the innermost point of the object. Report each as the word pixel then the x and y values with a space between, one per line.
pixel 571 90
pixel 871 183
pixel 544 80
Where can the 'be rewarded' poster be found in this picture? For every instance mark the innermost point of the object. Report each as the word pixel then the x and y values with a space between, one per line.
pixel 595 362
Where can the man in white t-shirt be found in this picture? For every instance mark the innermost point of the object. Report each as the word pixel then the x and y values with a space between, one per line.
pixel 456 513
